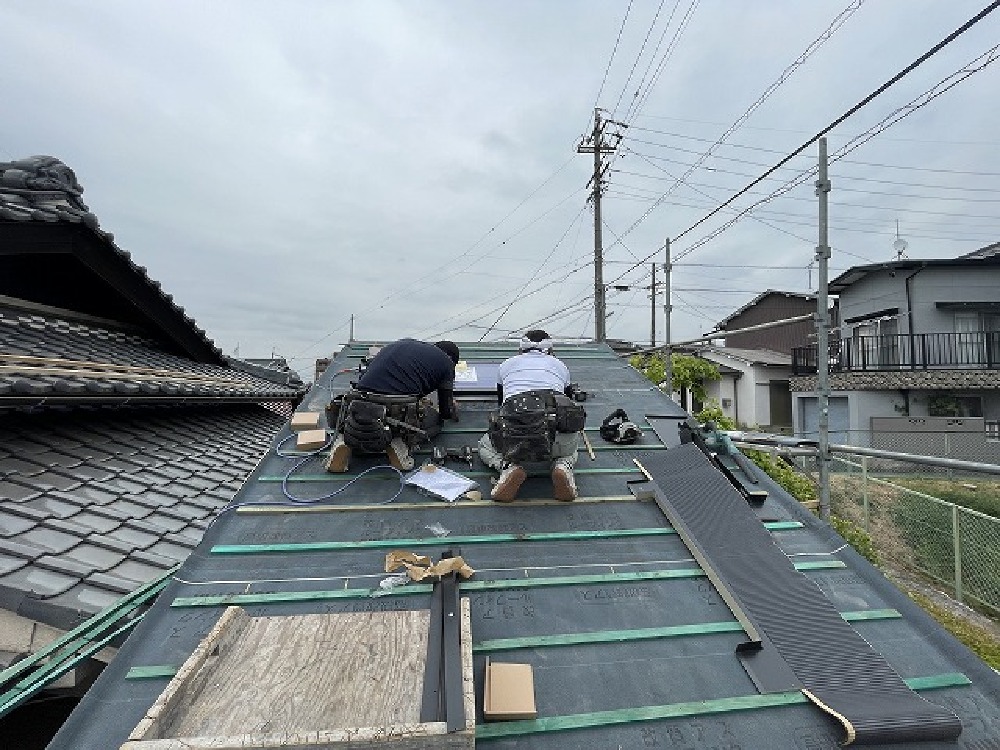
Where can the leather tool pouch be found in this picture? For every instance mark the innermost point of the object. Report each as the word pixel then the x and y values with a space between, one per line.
pixel 570 416
pixel 365 429
pixel 525 429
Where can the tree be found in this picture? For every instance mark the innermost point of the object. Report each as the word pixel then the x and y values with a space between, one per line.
pixel 689 372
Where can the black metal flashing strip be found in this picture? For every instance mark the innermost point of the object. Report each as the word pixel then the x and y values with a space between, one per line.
pixel 842 673
pixel 451 648
pixel 430 705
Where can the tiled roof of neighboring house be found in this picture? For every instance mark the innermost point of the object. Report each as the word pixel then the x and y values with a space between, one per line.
pixel 44 356
pixel 989 255
pixel 94 502
pixel 751 356
pixel 721 325
pixel 124 428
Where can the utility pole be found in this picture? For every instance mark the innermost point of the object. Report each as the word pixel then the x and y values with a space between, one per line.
pixel 597 145
pixel 351 335
pixel 652 308
pixel 668 370
pixel 822 336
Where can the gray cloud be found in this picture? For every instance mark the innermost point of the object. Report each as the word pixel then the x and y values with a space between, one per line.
pixel 280 166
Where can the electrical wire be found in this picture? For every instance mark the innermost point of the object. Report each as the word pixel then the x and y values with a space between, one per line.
pixel 614 50
pixel 638 57
pixel 851 111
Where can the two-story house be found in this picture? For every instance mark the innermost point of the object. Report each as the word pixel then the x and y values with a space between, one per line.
pixel 756 365
pixel 918 350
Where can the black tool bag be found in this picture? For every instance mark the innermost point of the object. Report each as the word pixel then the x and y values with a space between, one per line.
pixel 523 430
pixel 570 416
pixel 365 428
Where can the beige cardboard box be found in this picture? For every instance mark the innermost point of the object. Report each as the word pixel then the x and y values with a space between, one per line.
pixel 305 420
pixel 509 693
pixel 310 440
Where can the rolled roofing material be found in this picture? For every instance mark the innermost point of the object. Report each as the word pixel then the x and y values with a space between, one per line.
pixel 839 671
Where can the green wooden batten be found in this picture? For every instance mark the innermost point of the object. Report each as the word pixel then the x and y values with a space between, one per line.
pixel 569 639
pixel 499 730
pixel 287 597
pixel 645 634
pixel 556 536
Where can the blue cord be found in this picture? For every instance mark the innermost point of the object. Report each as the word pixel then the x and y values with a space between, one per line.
pixel 294 500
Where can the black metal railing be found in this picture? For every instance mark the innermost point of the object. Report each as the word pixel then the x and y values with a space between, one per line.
pixel 978 350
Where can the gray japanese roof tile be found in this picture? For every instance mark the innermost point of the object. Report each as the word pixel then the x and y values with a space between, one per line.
pixel 98 558
pixel 49 505
pixel 51 480
pixel 112 505
pixel 113 583
pixel 12 525
pixel 16 491
pixel 38 581
pixel 55 458
pixel 65 564
pixel 9 563
pixel 136 572
pixel 96 522
pixel 50 539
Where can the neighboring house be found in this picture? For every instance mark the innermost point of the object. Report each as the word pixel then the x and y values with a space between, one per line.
pixel 919 340
pixel 124 428
pixel 756 366
pixel 753 389
pixel 768 307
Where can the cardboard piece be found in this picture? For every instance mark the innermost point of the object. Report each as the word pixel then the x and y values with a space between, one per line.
pixel 310 440
pixel 509 693
pixel 305 420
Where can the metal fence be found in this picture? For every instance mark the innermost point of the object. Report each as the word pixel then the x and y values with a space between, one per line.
pixel 913 529
pixel 965 446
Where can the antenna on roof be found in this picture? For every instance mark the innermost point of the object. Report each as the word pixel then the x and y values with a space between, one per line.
pixel 900 244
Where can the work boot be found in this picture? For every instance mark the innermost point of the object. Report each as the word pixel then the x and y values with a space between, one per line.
pixel 563 483
pixel 340 456
pixel 510 481
pixel 399 455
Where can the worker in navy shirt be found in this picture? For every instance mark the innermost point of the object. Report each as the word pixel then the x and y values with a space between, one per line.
pixel 407 368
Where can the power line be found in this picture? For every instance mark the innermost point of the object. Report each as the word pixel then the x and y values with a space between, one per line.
pixel 864 102
pixel 638 57
pixel 652 57
pixel 614 50
pixel 640 101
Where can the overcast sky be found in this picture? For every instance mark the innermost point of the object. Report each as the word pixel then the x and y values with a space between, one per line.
pixel 280 166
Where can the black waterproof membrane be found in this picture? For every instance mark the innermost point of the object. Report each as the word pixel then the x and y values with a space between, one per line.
pixel 838 670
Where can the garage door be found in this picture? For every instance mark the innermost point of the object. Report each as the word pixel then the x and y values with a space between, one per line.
pixel 839 420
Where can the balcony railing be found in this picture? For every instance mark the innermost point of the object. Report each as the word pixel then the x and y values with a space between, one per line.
pixel 918 351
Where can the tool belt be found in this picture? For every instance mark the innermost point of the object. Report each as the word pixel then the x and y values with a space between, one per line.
pixel 525 428
pixel 369 421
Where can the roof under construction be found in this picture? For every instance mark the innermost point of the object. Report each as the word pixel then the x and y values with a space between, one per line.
pixel 639 629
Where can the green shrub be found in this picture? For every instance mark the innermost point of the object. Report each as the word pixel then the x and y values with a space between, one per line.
pixel 797 485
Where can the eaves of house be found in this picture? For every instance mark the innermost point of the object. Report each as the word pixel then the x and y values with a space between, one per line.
pixel 631 644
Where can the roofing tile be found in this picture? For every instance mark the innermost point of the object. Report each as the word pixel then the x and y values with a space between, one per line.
pixel 98 558
pixel 51 480
pixel 49 506
pixel 39 582
pixel 87 598
pixel 22 548
pixel 12 525
pixel 65 565
pixel 10 465
pixel 9 563
pixel 134 538
pixel 16 491
pixel 136 572
pixel 113 583
pixel 50 539
pixel 99 523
